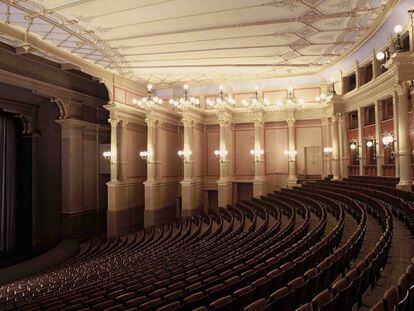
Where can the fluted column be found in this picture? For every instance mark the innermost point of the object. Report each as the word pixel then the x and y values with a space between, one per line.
pixel 259 183
pixel 395 123
pixel 379 148
pixel 404 145
pixel 152 186
pixel 114 149
pixel 293 177
pixel 191 192
pixel 326 138
pixel 224 185
pixel 343 145
pixel 361 148
pixel 122 156
pixel 335 148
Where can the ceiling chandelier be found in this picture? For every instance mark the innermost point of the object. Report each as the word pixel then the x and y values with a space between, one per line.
pixel 185 101
pixel 222 100
pixel 290 102
pixel 256 101
pixel 148 101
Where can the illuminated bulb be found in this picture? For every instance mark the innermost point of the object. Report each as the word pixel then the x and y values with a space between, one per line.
pixel 252 151
pixel 398 29
pixel 185 87
pixel 370 143
pixel 244 103
pixel 327 150
pixel 353 146
pixel 380 56
pixel 221 87
pixel 149 87
pixel 107 154
pixel 256 88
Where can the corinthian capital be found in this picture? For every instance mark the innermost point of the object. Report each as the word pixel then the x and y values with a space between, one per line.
pixel 223 121
pixel 114 122
pixel 401 88
pixel 325 121
pixel 188 121
pixel 151 121
pixel 290 122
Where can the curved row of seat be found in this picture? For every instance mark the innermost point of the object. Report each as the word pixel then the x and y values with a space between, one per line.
pixel 283 251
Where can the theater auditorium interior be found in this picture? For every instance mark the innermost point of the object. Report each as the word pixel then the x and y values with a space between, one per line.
pixel 207 155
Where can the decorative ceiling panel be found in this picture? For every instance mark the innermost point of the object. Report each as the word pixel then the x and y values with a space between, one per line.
pixel 169 42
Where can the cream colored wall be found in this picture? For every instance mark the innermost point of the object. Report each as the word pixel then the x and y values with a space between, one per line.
pixel 308 134
pixel 243 143
pixel 212 143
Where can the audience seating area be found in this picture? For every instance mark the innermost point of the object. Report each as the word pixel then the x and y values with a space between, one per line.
pixel 323 246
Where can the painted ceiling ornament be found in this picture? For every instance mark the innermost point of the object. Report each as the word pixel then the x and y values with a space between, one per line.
pixel 344 4
pixel 289 4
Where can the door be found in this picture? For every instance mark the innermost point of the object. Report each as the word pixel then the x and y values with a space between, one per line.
pixel 313 161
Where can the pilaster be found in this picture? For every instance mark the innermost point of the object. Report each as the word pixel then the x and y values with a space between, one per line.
pixel 361 147
pixel 326 138
pixel 379 148
pixel 395 124
pixel 293 177
pixel 344 147
pixel 404 145
pixel 335 148
pixel 224 184
pixel 259 182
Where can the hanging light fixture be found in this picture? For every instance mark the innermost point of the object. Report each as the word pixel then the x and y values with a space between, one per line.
pixel 290 101
pixel 186 100
pixel 148 101
pixel 256 100
pixel 222 100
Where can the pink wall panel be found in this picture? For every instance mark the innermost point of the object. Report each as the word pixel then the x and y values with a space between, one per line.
pixel 307 94
pixel 353 134
pixel 200 152
pixel 306 137
pixel 243 142
pixel 276 142
pixel 369 131
pixel 136 142
pixel 387 126
pixel 169 158
pixel 274 96
pixel 212 143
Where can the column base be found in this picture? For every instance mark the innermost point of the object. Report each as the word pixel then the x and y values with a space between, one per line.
pixel 121 222
pixel 259 187
pixel 292 182
pixel 191 197
pixel 406 186
pixel 225 193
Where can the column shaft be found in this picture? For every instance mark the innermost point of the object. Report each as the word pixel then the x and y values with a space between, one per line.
pixel 259 183
pixel 404 145
pixel 114 150
pixel 361 149
pixel 335 148
pixel 395 123
pixel 293 177
pixel 379 146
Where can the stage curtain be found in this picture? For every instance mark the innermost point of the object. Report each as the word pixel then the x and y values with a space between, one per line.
pixel 7 183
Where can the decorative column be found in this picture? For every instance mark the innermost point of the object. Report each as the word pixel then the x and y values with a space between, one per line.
pixel 335 148
pixel 152 186
pixel 122 155
pixel 376 66
pixel 361 147
pixel 293 177
pixel 259 182
pixel 395 124
pixel 190 195
pixel 404 145
pixel 379 148
pixel 358 76
pixel 114 149
pixel 72 173
pixel 344 154
pixel 327 168
pixel 224 185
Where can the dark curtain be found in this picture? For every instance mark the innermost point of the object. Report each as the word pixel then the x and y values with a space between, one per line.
pixel 8 204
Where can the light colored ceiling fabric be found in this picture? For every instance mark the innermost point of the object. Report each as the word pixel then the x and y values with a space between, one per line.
pixel 169 42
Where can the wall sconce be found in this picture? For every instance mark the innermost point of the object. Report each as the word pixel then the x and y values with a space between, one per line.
pixel 387 139
pixel 107 155
pixel 185 154
pixel 397 41
pixel 354 146
pixel 327 151
pixel 221 154
pixel 291 154
pixel 257 153
pixel 145 155
pixel 371 142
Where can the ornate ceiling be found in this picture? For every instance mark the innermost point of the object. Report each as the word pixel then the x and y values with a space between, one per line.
pixel 169 42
